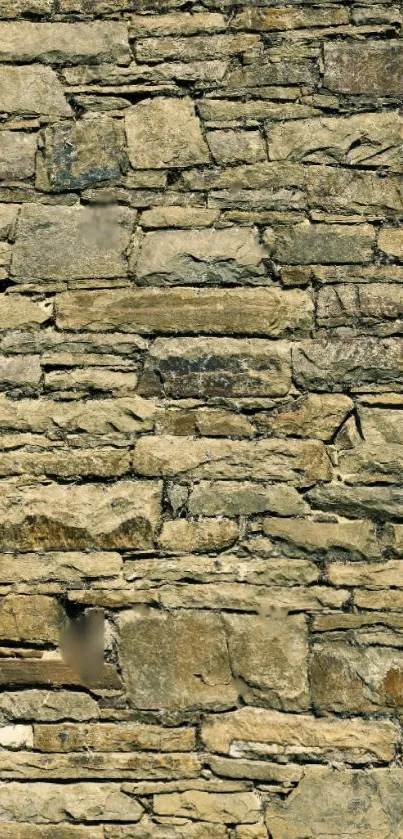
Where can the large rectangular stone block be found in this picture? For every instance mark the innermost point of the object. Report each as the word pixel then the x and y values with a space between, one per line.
pixel 59 43
pixel 373 68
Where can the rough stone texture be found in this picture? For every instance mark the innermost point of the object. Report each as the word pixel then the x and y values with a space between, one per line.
pixel 201 419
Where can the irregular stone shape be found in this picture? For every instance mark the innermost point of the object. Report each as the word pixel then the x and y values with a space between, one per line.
pixel 236 146
pixel 205 367
pixel 15 8
pixel 272 20
pixel 19 311
pixel 330 801
pixel 264 72
pixel 183 536
pixel 17 155
pixel 8 216
pixel 12 830
pixel 260 732
pixel 52 516
pixel 372 574
pixel 270 656
pixel 339 364
pixel 373 68
pixel 299 462
pixel 390 241
pixel 236 498
pixel 32 619
pixel 48 706
pixel 96 416
pixel 305 243
pixel 93 765
pixel 53 672
pixel 76 155
pixel 186 217
pixel 90 380
pixel 373 139
pixel 182 23
pixel 350 679
pixel 380 425
pixel 67 569
pixel 224 808
pixel 210 569
pixel 341 190
pixel 370 463
pixel 340 305
pixel 342 537
pixel 65 43
pixel 379 502
pixel 252 598
pixel 193 49
pixel 314 415
pixel 275 176
pixel 147 829
pixel 43 803
pixel 65 243
pixel 175 660
pixel 164 133
pixel 112 737
pixel 32 89
pixel 23 371
pixel 248 311
pixel 200 256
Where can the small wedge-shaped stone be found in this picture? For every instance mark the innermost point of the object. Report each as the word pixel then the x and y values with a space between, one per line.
pixel 164 133
pixel 248 311
pixel 339 802
pixel 175 660
pixel 206 367
pixel 32 89
pixel 335 365
pixel 314 415
pixel 52 516
pixel 257 731
pixel 66 243
pixel 200 256
pixel 373 139
pixel 64 43
pixel 300 462
pixel 43 803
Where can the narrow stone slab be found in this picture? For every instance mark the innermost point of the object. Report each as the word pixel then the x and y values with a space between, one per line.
pixel 65 43
pixel 44 803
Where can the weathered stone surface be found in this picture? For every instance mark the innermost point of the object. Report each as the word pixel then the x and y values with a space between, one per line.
pixel 30 619
pixel 306 242
pixel 203 367
pixel 164 132
pixel 234 498
pixel 270 657
pixel 275 176
pixel 175 661
pixel 93 765
pixel 18 311
pixel 390 241
pixel 372 139
pixel 296 461
pixel 253 598
pixel 76 155
pixel 256 731
pixel 23 371
pixel 314 415
pixel 257 311
pixel 170 24
pixel 236 147
pixel 185 536
pixel 329 800
pixel 209 806
pixel 269 20
pixel 373 68
pixel 32 89
pixel 374 575
pixel 341 537
pixel 17 155
pixel 52 803
pixel 168 829
pixel 334 365
pixel 59 43
pixel 13 830
pixel 226 567
pixel 341 190
pixel 112 737
pixel 340 305
pixel 378 502
pixel 184 217
pixel 53 672
pixel 48 706
pixel 199 256
pixel 353 680
pixel 193 49
pixel 8 216
pixel 52 517
pixel 65 243
pixel 15 8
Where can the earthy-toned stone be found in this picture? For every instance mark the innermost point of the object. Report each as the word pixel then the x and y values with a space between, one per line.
pixel 17 155
pixel 340 305
pixel 164 132
pixel 254 311
pixel 378 502
pixel 92 765
pixel 193 49
pixel 15 8
pixel 373 68
pixel 209 806
pixel 32 89
pixel 44 803
pixel 233 498
pixel 314 415
pixel 338 364
pixel 226 567
pixel 59 43
pixel 52 517
pixel 256 731
pixel 175 660
pixel 30 619
pixel 19 311
pixel 296 461
pixel 253 598
pixel 185 217
pixel 390 241
pixel 236 147
pixel 322 243
pixel 203 367
pixel 51 243
pixel 48 706
pixel 76 155
pixel 112 737
pixel 185 536
pixel 341 537
pixel 339 190
pixel 270 657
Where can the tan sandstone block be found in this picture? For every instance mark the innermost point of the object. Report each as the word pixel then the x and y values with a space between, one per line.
pixel 32 89
pixel 164 132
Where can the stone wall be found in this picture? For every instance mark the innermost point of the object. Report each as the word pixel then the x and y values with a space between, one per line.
pixel 201 450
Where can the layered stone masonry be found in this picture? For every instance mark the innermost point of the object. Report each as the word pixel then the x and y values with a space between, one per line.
pixel 201 414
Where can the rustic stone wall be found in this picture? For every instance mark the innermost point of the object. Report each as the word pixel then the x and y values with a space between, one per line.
pixel 201 460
